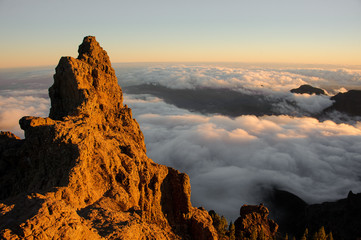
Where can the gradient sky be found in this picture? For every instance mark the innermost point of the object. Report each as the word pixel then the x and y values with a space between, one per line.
pixel 38 32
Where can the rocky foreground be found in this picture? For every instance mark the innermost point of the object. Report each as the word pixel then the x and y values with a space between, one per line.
pixel 83 172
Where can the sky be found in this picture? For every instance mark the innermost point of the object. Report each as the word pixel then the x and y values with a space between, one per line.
pixel 38 32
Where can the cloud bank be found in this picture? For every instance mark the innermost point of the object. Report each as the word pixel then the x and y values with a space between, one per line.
pixel 254 80
pixel 16 104
pixel 233 161
pixel 348 78
pixel 271 85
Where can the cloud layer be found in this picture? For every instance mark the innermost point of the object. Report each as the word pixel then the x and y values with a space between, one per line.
pixel 351 79
pixel 16 104
pixel 271 85
pixel 233 161
pixel 23 92
pixel 254 80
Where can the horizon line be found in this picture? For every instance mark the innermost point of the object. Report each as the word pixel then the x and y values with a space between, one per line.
pixel 200 62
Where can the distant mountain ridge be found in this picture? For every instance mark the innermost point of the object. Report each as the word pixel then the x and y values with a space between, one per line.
pixel 348 102
pixel 342 217
pixel 308 89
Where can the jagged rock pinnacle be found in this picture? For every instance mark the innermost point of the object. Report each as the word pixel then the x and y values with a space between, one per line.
pixel 83 172
pixel 85 85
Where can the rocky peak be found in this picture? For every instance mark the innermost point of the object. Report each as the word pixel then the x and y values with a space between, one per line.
pixel 348 102
pixel 91 51
pixel 85 86
pixel 83 172
pixel 254 221
pixel 254 209
pixel 308 89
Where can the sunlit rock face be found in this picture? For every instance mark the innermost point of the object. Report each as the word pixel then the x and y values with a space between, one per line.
pixel 83 172
pixel 86 85
pixel 253 221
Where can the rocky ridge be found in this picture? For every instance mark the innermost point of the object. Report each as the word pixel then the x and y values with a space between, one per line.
pixel 308 89
pixel 83 173
pixel 341 217
pixel 348 102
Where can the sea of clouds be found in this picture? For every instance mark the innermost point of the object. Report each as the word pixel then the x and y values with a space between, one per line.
pixel 251 79
pixel 233 161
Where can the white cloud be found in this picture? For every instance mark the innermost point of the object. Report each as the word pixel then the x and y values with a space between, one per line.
pixel 299 104
pixel 273 84
pixel 333 77
pixel 231 161
pixel 255 79
pixel 17 104
pixel 181 76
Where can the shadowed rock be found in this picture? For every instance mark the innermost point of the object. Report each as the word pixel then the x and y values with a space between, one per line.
pixel 348 102
pixel 341 217
pixel 308 89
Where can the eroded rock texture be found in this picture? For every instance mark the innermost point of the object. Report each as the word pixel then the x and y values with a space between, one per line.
pixel 83 172
pixel 254 223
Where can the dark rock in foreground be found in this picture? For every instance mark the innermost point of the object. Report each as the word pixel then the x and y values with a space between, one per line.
pixel 308 89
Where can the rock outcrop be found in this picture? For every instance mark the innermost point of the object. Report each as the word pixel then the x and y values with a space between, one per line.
pixel 348 102
pixel 254 223
pixel 341 217
pixel 83 173
pixel 308 89
pixel 285 208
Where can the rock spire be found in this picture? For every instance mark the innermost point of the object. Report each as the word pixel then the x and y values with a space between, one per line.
pixel 83 173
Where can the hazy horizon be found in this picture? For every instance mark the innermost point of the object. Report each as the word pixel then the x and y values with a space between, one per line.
pixel 218 63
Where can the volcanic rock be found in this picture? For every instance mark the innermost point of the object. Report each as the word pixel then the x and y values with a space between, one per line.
pixel 342 217
pixel 348 102
pixel 83 173
pixel 286 209
pixel 254 222
pixel 308 89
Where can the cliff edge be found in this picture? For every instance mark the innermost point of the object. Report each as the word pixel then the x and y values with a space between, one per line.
pixel 83 173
